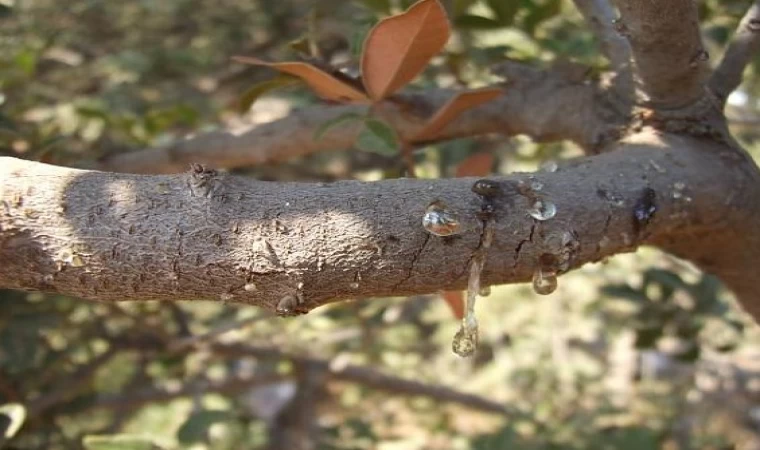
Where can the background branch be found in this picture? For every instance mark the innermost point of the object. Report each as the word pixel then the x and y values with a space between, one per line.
pixel 600 15
pixel 543 105
pixel 743 47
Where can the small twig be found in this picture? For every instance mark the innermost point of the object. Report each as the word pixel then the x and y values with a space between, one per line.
pixel 600 15
pixel 743 47
pixel 191 341
pixel 70 386
pixel 369 377
pixel 139 397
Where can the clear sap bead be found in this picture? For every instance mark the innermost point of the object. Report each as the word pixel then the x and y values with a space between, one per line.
pixel 544 281
pixel 542 209
pixel 466 340
pixel 441 221
pixel 549 166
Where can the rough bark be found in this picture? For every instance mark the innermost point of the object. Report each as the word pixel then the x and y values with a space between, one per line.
pixel 667 174
pixel 670 60
pixel 201 235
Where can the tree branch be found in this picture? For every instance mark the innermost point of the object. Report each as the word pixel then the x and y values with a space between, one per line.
pixel 743 47
pixel 545 106
pixel 209 236
pixel 70 386
pixel 367 376
pixel 600 15
pixel 669 58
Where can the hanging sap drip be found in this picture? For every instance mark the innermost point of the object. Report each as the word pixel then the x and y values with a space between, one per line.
pixel 542 209
pixel 544 281
pixel 569 246
pixel 441 221
pixel 466 340
pixel 485 291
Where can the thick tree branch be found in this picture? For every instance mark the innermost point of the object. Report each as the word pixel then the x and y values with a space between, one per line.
pixel 743 47
pixel 600 15
pixel 670 60
pixel 543 105
pixel 207 236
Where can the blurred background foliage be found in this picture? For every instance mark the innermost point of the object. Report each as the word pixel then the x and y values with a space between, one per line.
pixel 639 352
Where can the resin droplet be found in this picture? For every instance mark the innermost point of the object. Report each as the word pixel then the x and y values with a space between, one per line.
pixel 535 185
pixel 485 291
pixel 544 281
pixel 542 209
pixel 287 306
pixel 549 166
pixel 465 341
pixel 441 221
pixel 486 188
pixel 225 297
pixel 354 285
pixel 250 287
pixel 678 188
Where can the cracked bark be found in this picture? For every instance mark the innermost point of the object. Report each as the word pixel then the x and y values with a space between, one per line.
pixel 203 235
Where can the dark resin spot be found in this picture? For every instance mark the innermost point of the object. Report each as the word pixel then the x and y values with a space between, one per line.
pixel 486 212
pixel 645 208
pixel 486 188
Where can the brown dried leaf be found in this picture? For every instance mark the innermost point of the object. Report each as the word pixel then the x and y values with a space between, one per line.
pixel 455 300
pixel 452 109
pixel 476 165
pixel 399 47
pixel 322 83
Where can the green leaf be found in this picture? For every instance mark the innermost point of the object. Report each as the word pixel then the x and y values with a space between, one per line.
pixel 300 45
pixel 195 428
pixel 472 22
pixel 461 6
pixel 540 13
pixel 378 137
pixel 632 438
pixel 380 6
pixel 690 355
pixel 118 442
pixel 624 292
pixel 12 416
pixel 253 93
pixel 26 60
pixel 669 282
pixel 648 337
pixel 504 10
pixel 336 122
